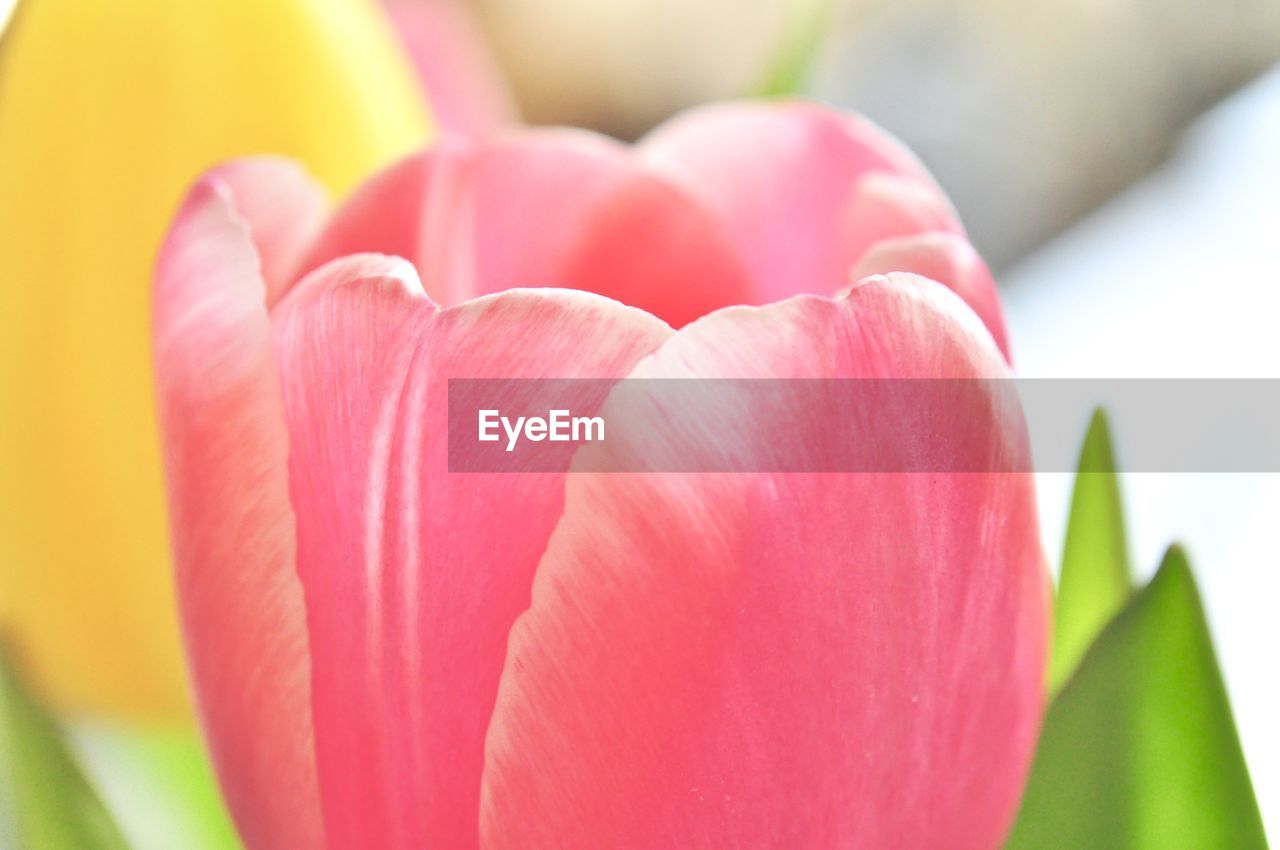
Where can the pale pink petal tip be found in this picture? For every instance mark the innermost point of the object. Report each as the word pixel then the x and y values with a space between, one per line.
pixel 284 208
pixel 949 259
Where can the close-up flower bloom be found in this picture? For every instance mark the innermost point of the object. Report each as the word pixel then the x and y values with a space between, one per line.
pixel 588 425
pixel 389 654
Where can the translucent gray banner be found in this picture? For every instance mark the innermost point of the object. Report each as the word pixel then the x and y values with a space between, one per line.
pixel 830 425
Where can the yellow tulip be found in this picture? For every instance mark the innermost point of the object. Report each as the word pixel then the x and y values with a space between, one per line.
pixel 108 109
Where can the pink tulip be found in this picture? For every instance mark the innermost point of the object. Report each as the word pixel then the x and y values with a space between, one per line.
pixel 391 655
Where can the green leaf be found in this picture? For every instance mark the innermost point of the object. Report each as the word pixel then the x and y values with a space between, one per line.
pixel 1139 750
pixel 158 783
pixel 1095 582
pixel 45 801
pixel 786 72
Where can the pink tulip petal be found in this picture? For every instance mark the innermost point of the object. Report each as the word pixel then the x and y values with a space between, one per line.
pixel 480 217
pixel 530 195
pixel 285 209
pixel 898 223
pixel 225 448
pixel 382 216
pixel 780 176
pixel 413 574
pixel 646 244
pixel 543 208
pixel 459 76
pixel 884 205
pixel 791 661
pixel 949 259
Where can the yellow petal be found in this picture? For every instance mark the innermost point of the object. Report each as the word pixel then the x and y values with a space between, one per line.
pixel 108 110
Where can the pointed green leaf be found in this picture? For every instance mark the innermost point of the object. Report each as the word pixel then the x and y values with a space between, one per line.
pixel 158 783
pixel 1139 750
pixel 1095 582
pixel 45 801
